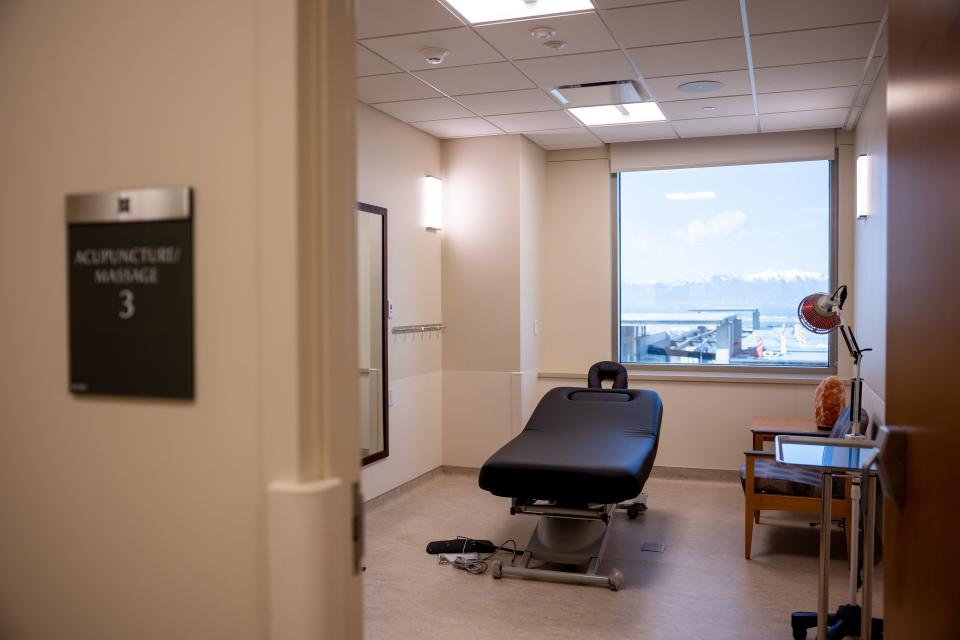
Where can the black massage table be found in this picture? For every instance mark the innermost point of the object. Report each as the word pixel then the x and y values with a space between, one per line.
pixel 582 453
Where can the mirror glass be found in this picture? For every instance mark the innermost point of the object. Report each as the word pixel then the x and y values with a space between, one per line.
pixel 371 298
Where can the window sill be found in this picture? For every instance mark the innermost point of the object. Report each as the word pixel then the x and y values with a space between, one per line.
pixel 703 376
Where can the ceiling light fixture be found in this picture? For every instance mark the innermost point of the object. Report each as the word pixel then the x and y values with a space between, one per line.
pixel 542 33
pixel 618 114
pixel 559 96
pixel 556 45
pixel 700 86
pixel 863 185
pixel 476 11
pixel 433 202
pixel 435 55
pixel 709 108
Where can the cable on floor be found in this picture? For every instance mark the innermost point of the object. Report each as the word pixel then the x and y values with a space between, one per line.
pixel 479 565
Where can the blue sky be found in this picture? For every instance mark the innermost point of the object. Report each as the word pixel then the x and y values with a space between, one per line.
pixel 748 220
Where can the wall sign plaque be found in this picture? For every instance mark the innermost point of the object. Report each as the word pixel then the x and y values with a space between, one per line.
pixel 130 286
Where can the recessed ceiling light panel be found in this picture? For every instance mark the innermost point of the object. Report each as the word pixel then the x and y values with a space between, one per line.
pixel 618 114
pixel 700 86
pixel 476 11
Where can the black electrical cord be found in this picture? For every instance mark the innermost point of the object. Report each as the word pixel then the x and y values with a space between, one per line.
pixel 479 565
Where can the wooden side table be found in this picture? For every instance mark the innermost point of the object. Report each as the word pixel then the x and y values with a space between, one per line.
pixel 766 428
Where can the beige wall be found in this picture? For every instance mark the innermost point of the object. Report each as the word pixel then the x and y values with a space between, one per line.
pixel 126 518
pixel 392 160
pixel 481 253
pixel 871 250
pixel 576 285
pixel 493 208
pixel 533 174
pixel 136 518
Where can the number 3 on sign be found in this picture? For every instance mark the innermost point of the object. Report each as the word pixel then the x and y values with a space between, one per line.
pixel 126 304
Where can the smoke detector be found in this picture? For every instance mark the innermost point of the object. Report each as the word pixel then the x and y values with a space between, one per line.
pixel 434 55
pixel 542 33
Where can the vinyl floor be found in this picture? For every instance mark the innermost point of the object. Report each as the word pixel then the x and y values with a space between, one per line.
pixel 700 586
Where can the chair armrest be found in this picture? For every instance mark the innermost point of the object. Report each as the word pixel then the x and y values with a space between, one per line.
pixel 759 454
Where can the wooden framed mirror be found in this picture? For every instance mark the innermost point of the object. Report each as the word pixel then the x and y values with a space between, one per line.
pixel 372 331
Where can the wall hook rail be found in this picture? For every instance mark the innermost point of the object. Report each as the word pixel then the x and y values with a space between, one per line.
pixel 419 328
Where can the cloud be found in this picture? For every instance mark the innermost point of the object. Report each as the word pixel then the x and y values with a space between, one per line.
pixel 715 227
pixel 691 195
pixel 639 241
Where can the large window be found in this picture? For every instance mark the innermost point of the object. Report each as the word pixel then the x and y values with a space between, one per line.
pixel 714 261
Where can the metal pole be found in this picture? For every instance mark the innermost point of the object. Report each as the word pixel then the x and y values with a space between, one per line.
pixel 869 532
pixel 823 606
pixel 854 533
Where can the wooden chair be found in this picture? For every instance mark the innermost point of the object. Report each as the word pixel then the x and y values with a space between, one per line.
pixel 770 486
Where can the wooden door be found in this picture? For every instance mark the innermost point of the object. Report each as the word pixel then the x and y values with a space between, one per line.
pixel 922 593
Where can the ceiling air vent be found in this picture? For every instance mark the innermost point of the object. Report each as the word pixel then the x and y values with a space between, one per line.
pixel 597 93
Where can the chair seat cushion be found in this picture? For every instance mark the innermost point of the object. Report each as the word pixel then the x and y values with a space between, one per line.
pixel 774 478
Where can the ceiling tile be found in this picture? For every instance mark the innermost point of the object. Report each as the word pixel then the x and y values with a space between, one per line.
pixel 766 16
pixel 690 57
pixel 809 76
pixel 673 22
pixel 572 145
pixel 631 132
pixel 582 32
pixel 560 138
pixel 388 17
pixel 395 86
pixel 420 110
pixel 370 64
pixel 578 68
pixel 464 45
pixel 482 78
pixel 730 126
pixel 835 98
pixel 813 45
pixel 694 109
pixel 522 101
pixel 458 128
pixel 822 119
pixel 735 83
pixel 524 122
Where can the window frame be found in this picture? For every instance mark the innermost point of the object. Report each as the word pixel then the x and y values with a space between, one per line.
pixel 681 367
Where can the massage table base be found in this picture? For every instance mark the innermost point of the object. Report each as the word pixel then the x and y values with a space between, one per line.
pixel 569 537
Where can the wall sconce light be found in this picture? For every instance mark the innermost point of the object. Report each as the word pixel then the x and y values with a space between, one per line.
pixel 863 186
pixel 433 202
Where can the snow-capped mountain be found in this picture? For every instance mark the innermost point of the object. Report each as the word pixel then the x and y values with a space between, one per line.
pixel 773 292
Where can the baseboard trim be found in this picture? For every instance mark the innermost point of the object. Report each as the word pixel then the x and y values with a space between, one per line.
pixel 460 471
pixel 406 487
